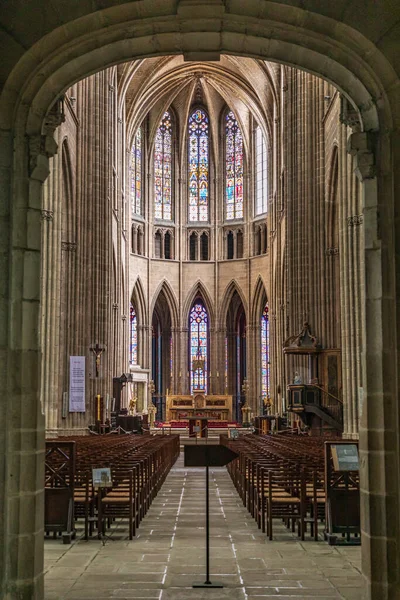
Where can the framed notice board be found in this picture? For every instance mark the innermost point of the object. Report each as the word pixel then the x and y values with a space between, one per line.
pixel 342 488
pixel 345 457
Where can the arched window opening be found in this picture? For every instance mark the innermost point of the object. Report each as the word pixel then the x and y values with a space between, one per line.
pixel 261 173
pixel 233 168
pixel 136 174
pixel 163 170
pixel 157 244
pixel 198 166
pixel 239 244
pixel 193 246
pixel 198 347
pixel 258 241
pixel 265 394
pixel 134 337
pixel 204 246
pixel 167 246
pixel 230 245
pixel 161 371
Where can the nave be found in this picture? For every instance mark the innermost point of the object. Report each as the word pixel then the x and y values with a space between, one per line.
pixel 168 553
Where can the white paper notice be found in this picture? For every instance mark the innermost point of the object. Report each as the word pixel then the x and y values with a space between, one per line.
pixel 76 384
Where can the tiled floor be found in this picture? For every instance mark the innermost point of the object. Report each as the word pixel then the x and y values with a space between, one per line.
pixel 168 554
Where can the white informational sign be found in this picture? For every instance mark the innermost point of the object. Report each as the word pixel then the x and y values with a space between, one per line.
pixel 76 384
pixel 102 477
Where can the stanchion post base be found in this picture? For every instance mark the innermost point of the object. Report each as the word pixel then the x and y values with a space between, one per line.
pixel 207 585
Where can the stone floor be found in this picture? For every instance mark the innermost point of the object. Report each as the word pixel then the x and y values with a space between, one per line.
pixel 168 554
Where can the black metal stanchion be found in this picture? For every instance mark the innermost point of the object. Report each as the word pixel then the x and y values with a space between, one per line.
pixel 211 455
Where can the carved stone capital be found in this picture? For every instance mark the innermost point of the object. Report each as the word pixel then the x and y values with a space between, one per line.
pixel 43 146
pixel 54 117
pixel 349 115
pixel 115 306
pixel 47 215
pixel 362 146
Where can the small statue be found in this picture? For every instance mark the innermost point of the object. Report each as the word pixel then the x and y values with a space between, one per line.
pixel 132 406
pixel 297 378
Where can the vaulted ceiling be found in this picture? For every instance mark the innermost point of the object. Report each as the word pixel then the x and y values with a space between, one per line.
pixel 247 86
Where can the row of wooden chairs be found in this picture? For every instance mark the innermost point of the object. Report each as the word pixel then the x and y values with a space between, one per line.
pixel 280 479
pixel 138 466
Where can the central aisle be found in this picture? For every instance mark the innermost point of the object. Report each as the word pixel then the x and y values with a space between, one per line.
pixel 168 554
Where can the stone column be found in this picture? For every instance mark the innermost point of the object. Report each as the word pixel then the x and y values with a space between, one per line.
pixel 50 302
pixel 379 422
pixel 22 426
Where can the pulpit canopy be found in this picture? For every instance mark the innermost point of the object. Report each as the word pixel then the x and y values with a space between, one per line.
pixel 303 343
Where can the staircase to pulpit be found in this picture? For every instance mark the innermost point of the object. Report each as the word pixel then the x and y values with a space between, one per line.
pixel 317 409
pixel 314 395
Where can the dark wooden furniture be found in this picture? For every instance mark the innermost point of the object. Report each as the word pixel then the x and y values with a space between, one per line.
pixel 138 464
pixel 60 463
pixel 281 476
pixel 342 487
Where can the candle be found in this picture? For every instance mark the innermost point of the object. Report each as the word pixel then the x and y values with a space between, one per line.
pixel 98 407
pixel 217 373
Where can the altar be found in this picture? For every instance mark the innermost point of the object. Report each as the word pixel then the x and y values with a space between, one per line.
pixel 215 407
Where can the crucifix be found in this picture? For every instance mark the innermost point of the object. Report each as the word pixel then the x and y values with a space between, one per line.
pixel 97 351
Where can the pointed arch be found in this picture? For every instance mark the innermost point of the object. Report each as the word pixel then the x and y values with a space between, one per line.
pixel 230 290
pixel 137 295
pixel 332 197
pixel 68 205
pixel 165 288
pixel 260 297
pixel 235 325
pixel 199 290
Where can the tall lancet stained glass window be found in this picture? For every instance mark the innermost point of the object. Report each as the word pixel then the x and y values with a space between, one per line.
pixel 198 342
pixel 134 337
pixel 198 166
pixel 136 174
pixel 163 170
pixel 265 355
pixel 261 173
pixel 233 168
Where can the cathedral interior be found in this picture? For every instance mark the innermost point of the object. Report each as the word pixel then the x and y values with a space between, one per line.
pixel 199 239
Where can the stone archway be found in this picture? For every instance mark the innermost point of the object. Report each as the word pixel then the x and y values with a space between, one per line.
pixel 318 43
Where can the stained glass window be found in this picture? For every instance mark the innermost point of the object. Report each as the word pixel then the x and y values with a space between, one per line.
pixel 198 330
pixel 265 354
pixel 198 166
pixel 163 170
pixel 134 340
pixel 136 174
pixel 233 168
pixel 261 173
